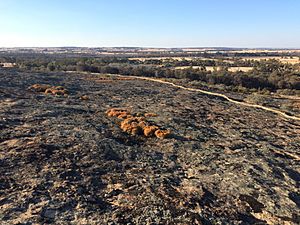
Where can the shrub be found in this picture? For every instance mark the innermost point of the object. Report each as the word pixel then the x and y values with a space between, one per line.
pixel 137 124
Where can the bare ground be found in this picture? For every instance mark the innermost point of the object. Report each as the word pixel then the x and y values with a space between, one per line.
pixel 63 161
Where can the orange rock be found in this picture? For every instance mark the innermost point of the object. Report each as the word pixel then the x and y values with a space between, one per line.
pixel 162 134
pixel 150 130
pixel 151 115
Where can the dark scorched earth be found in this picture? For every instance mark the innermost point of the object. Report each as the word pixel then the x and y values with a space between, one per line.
pixel 63 161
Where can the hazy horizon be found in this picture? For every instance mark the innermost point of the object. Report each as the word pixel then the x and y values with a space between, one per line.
pixel 154 47
pixel 155 24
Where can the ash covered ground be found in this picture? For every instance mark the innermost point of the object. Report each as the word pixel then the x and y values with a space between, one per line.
pixel 63 161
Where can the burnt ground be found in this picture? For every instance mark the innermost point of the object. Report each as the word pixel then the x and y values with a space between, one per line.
pixel 63 161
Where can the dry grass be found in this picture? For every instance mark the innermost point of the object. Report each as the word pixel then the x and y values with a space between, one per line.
pixel 292 60
pixel 243 69
pixel 143 59
pixel 213 68
pixel 109 80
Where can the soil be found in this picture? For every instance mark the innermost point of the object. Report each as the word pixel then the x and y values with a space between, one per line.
pixel 64 161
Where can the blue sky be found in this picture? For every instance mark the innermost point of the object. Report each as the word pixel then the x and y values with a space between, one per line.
pixel 150 23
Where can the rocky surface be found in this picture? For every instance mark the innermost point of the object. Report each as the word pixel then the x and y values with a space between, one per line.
pixel 63 161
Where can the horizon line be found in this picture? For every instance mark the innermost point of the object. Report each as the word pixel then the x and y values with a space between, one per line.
pixel 153 47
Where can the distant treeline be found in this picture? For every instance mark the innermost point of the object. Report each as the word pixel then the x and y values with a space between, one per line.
pixel 266 74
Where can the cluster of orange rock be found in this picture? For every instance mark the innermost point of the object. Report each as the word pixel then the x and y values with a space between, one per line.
pixel 48 89
pixel 137 124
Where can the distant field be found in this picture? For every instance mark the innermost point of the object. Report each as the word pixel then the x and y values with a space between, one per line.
pixel 166 58
pixel 286 51
pixel 212 68
pixel 293 60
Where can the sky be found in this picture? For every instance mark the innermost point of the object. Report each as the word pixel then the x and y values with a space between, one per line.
pixel 150 23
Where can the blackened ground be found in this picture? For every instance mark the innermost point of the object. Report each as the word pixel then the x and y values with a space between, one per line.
pixel 63 161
